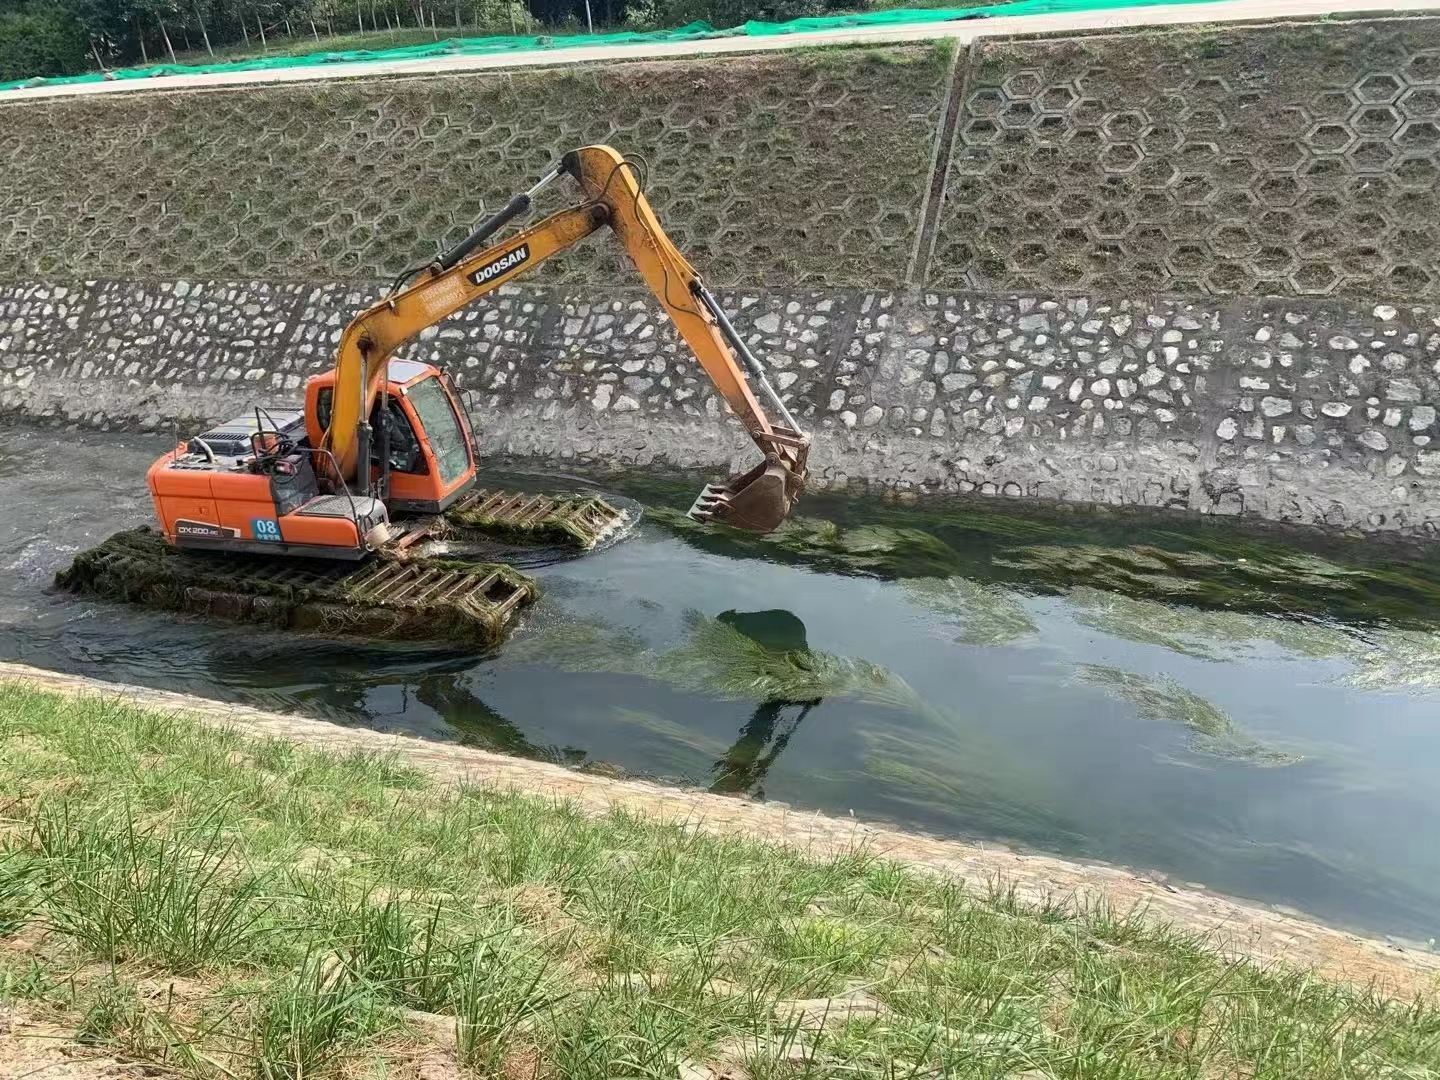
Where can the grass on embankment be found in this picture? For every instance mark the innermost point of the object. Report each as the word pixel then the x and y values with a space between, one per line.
pixel 238 908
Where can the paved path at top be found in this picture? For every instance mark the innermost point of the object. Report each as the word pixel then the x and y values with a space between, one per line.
pixel 964 31
pixel 1238 929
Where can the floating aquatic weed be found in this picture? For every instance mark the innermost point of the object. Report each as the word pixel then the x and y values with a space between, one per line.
pixel 1275 582
pixel 718 660
pixel 1202 633
pixel 1201 566
pixel 989 614
pixel 577 644
pixel 655 724
pixel 721 660
pixel 871 550
pixel 960 767
pixel 1167 701
pixel 1406 660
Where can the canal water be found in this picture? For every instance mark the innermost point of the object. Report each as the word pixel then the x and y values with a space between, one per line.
pixel 1260 716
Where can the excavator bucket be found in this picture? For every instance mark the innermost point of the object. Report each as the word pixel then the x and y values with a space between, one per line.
pixel 757 501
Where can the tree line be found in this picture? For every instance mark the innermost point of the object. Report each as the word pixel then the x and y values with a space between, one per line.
pixel 41 38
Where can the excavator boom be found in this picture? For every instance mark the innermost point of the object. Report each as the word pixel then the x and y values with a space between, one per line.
pixel 757 500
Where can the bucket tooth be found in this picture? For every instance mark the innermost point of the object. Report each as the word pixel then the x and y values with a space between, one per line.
pixel 757 501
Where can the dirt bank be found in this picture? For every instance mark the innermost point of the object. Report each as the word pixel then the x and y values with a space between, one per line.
pixel 1239 929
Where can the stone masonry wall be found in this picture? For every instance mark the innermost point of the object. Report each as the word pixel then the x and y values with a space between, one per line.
pixel 1300 411
pixel 1189 268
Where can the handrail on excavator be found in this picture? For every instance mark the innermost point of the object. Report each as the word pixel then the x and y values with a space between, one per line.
pixel 757 500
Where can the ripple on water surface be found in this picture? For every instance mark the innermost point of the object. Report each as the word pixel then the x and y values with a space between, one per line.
pixel 1259 716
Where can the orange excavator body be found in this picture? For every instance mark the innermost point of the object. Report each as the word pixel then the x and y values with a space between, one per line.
pixel 253 484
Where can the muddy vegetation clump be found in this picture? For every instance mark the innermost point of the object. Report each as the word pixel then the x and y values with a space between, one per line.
pixel 429 598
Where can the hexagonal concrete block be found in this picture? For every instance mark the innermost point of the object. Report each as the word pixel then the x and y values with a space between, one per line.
pixel 1322 208
pixel 1188 259
pixel 1282 154
pixel 1120 157
pixel 1329 138
pixel 1059 99
pixel 1029 256
pixel 987 101
pixel 1419 135
pixel 1424 66
pixel 1126 125
pixel 1330 105
pixel 1023 84
pixel 1194 190
pixel 1380 88
pixel 1410 279
pixel 1375 121
pixel 1416 172
pixel 980 132
pixel 1314 279
pixel 1204 119
pixel 1233 241
pixel 1018 115
pixel 1112 223
pixel 1372 155
pixel 1278 190
pixel 1419 103
pixel 1326 174
pixel 1235 204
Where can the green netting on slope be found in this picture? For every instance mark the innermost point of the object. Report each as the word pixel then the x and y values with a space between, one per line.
pixel 696 31
pixel 923 16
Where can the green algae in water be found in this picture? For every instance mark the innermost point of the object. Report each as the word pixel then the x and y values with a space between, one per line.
pixel 1403 660
pixel 721 660
pixel 870 549
pixel 989 615
pixel 718 660
pixel 1165 700
pixel 973 772
pixel 1214 565
pixel 1382 659
pixel 1203 633
pixel 655 724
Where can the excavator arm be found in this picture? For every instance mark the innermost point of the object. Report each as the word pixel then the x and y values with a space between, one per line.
pixel 758 500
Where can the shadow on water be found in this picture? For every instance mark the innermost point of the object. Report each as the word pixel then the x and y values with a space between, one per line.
pixel 775 720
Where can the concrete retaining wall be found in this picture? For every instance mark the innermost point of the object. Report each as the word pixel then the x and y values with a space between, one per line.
pixel 1037 268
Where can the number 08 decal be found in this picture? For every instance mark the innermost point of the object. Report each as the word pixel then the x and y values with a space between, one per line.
pixel 265 529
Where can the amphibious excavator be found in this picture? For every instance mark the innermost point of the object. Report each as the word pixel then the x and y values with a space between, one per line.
pixel 324 482
pixel 380 463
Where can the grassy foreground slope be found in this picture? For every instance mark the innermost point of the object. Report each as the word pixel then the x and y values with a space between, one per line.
pixel 221 906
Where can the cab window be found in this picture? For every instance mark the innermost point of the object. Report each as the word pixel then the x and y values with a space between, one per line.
pixel 405 453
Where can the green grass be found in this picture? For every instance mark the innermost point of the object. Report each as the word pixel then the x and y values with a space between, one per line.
pixel 316 915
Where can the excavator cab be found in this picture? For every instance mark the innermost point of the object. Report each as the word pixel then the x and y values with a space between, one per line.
pixel 422 457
